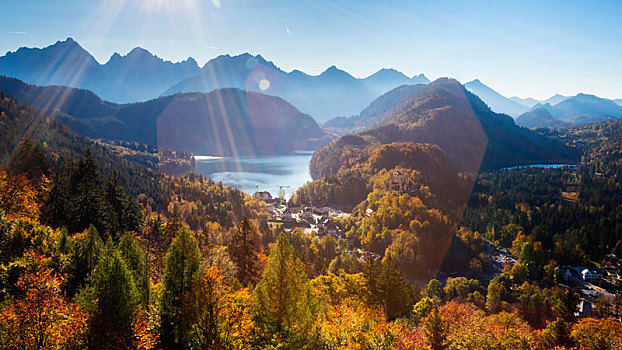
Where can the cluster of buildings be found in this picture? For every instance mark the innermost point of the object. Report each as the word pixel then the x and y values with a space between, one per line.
pixel 579 273
pixel 314 220
pixel 609 273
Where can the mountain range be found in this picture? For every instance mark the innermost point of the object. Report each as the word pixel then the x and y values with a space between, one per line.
pixel 140 76
pixel 137 76
pixel 573 111
pixel 332 93
pixel 558 111
pixel 224 122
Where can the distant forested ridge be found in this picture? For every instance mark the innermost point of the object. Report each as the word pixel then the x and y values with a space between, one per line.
pixel 226 122
pixel 444 113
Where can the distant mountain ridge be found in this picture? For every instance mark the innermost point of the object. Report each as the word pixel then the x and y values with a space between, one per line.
pixel 332 93
pixel 495 100
pixel 572 111
pixel 140 76
pixel 226 122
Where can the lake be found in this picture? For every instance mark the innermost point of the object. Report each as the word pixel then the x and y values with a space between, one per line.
pixel 265 173
pixel 547 166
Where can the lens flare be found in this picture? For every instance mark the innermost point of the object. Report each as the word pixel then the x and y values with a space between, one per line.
pixel 264 84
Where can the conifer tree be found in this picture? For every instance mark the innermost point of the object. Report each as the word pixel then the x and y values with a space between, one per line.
pixel 88 204
pixel 283 293
pixel 243 252
pixel 181 272
pixel 566 304
pixel 557 333
pixel 84 259
pixel 371 271
pixel 56 211
pixel 29 159
pixel 136 260
pixel 397 293
pixel 126 215
pixel 116 301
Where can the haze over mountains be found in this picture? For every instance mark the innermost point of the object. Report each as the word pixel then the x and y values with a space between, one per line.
pixel 140 76
pixel 573 111
pixel 134 77
pixel 330 94
pixel 555 112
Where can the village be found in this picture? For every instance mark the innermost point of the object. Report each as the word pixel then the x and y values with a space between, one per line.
pixel 312 220
pixel 599 285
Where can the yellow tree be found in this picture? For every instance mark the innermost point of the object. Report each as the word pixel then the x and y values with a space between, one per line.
pixel 597 334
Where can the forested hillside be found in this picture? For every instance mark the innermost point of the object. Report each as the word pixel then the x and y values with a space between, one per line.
pixel 472 136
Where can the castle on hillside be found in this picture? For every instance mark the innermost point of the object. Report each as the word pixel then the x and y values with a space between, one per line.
pixel 399 182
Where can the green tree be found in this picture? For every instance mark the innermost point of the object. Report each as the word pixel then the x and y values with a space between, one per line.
pixel 88 205
pixel 372 269
pixel 397 293
pixel 565 304
pixel 243 251
pixel 84 258
pixel 136 260
pixel 56 211
pixel 29 159
pixel 126 215
pixel 435 290
pixel 557 333
pixel 181 272
pixel 423 307
pixel 284 293
pixel 519 273
pixel 116 301
pixel 494 302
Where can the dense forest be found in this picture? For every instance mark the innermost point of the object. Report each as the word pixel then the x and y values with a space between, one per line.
pixel 98 250
pixel 568 216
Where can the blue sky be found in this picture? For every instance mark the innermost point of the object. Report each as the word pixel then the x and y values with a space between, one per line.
pixel 524 48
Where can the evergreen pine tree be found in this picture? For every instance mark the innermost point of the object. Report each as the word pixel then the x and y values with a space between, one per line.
pixel 29 159
pixel 126 215
pixel 55 211
pixel 372 269
pixel 84 259
pixel 136 260
pixel 88 204
pixel 181 272
pixel 557 333
pixel 116 301
pixel 566 304
pixel 283 293
pixel 243 252
pixel 397 293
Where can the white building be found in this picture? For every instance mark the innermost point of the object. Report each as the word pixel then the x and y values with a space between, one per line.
pixel 591 275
